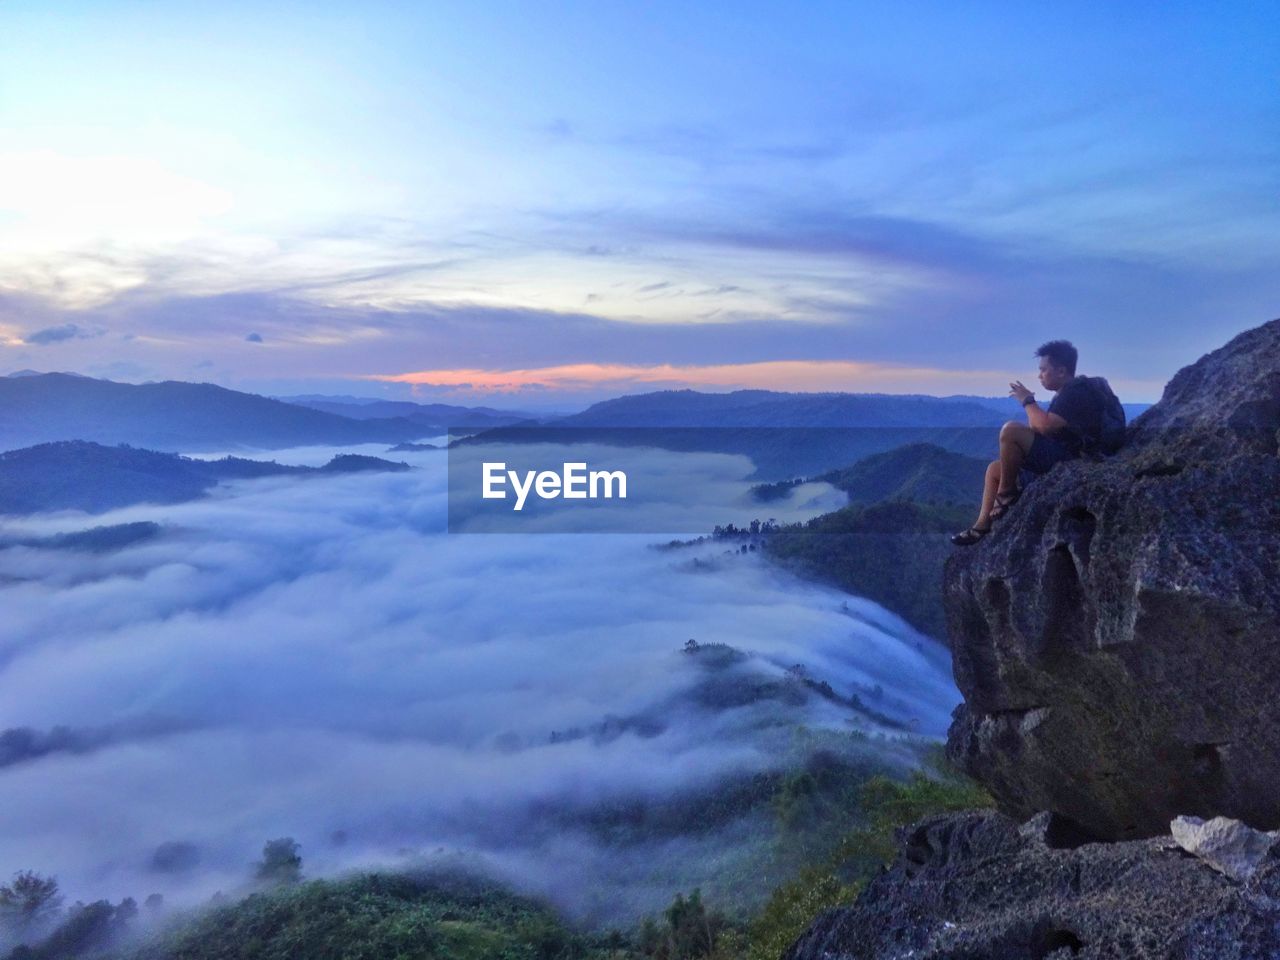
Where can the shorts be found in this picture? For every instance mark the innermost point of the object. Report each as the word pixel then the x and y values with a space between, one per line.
pixel 1044 453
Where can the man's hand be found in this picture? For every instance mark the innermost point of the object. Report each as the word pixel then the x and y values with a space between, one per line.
pixel 1041 421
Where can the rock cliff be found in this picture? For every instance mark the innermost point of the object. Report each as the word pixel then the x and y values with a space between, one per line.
pixel 1117 642
pixel 1117 638
pixel 979 887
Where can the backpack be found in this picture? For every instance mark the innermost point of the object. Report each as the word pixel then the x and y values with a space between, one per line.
pixel 1111 418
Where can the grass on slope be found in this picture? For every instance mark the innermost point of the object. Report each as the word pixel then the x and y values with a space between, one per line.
pixel 375 917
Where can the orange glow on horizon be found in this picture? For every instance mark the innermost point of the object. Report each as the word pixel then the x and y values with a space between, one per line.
pixel 795 375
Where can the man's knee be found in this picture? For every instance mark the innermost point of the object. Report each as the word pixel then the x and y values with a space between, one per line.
pixel 993 469
pixel 1017 434
pixel 1013 430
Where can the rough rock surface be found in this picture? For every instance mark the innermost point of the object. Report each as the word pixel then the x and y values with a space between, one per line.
pixel 1117 638
pixel 979 887
pixel 1227 845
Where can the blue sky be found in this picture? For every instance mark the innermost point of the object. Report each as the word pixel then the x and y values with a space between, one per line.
pixel 543 204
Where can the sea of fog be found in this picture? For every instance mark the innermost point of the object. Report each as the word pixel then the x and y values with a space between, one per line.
pixel 316 658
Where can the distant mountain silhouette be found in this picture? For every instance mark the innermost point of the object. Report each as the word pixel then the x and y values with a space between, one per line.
pixel 437 415
pixel 174 416
pixel 778 453
pixel 768 408
pixel 80 475
pixel 1007 404
pixel 786 435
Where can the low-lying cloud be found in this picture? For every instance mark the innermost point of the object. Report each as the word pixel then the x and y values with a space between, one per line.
pixel 318 659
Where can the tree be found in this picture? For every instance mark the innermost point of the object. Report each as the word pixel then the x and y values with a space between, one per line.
pixel 690 932
pixel 89 929
pixel 27 900
pixel 281 862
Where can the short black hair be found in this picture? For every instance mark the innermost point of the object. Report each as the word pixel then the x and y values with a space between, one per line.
pixel 1060 353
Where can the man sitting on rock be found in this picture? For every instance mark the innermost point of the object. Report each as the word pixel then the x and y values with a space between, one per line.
pixel 1049 436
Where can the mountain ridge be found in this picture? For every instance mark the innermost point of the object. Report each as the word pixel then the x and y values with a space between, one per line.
pixel 172 415
pixel 83 475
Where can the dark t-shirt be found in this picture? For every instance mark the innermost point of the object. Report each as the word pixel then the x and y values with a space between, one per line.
pixel 1079 406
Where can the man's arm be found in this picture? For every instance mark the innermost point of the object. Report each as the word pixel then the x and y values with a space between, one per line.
pixel 1041 421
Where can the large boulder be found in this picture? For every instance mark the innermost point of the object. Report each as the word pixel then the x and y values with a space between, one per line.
pixel 977 886
pixel 1117 638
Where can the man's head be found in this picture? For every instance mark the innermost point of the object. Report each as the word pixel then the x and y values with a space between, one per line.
pixel 1057 364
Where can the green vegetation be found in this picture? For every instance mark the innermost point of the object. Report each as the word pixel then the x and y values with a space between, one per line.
pixel 833 875
pixel 889 804
pixel 891 543
pixel 882 805
pixel 788 912
pixel 920 472
pixel 892 553
pixel 830 827
pixel 688 930
pixel 375 917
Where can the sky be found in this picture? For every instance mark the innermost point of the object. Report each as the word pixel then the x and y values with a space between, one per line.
pixel 540 205
pixel 313 658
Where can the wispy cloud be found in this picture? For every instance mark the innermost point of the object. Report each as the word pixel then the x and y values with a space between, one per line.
pixel 870 203
pixel 66 331
pixel 973 324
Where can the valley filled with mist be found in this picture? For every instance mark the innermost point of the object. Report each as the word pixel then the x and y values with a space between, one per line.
pixel 585 717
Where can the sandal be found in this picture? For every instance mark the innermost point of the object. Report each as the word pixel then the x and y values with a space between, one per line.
pixel 967 538
pixel 1003 502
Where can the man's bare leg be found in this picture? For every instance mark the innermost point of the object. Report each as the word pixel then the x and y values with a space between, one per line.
pixel 989 486
pixel 1015 441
